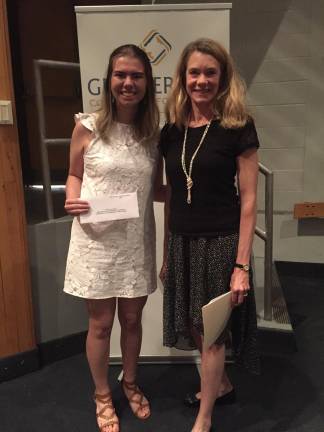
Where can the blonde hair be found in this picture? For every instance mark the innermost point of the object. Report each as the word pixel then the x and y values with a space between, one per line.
pixel 146 122
pixel 229 104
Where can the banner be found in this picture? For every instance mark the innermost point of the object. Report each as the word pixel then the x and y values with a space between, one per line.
pixel 162 31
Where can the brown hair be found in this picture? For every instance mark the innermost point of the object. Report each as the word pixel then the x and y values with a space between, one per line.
pixel 147 117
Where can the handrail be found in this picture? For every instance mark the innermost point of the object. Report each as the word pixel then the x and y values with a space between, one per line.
pixel 266 236
pixel 45 142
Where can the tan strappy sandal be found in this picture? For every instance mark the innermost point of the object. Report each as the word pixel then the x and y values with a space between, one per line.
pixel 135 391
pixel 110 420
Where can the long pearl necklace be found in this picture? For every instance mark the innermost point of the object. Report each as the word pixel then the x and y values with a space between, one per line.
pixel 183 160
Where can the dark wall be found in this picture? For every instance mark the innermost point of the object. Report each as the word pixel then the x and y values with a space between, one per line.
pixel 46 29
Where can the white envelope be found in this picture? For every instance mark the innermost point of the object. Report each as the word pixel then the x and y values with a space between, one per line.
pixel 215 316
pixel 111 207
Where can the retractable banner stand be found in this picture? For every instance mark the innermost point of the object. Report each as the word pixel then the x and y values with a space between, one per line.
pixel 162 31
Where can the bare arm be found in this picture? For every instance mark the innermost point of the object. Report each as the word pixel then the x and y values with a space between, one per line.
pixel 80 140
pixel 247 169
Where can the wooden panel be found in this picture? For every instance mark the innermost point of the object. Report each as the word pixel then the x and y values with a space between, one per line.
pixel 309 210
pixel 10 164
pixel 16 320
pixel 3 330
pixel 15 273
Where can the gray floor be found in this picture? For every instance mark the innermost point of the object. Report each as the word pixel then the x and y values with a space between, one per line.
pixel 58 398
pixel 288 396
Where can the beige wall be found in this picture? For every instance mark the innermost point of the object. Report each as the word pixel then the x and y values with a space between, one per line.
pixel 279 48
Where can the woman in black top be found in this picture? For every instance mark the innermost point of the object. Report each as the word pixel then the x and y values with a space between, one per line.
pixel 209 144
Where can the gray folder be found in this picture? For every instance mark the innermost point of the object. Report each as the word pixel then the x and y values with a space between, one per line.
pixel 215 316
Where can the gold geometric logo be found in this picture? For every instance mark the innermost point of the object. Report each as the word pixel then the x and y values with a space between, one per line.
pixel 156 47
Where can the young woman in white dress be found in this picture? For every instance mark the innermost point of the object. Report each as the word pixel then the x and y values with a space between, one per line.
pixel 112 264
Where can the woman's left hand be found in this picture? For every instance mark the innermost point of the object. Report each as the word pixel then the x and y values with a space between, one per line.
pixel 240 286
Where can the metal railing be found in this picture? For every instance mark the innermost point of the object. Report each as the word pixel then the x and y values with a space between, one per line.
pixel 44 141
pixel 266 236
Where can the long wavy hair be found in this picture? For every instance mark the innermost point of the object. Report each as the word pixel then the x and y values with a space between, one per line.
pixel 229 105
pixel 146 122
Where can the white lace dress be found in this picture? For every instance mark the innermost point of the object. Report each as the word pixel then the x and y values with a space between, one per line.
pixel 117 258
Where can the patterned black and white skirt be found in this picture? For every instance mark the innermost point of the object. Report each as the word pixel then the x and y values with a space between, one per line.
pixel 198 270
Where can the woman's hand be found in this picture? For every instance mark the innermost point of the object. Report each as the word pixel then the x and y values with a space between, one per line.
pixel 240 286
pixel 76 206
pixel 163 271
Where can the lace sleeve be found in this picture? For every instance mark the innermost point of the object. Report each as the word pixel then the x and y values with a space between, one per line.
pixel 88 120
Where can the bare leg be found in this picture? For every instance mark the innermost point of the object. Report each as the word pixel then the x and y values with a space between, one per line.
pixel 101 318
pixel 130 317
pixel 212 371
pixel 225 385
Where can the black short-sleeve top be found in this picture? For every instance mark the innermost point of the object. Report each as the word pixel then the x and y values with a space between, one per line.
pixel 215 205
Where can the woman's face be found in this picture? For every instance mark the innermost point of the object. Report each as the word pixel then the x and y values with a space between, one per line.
pixel 128 82
pixel 202 78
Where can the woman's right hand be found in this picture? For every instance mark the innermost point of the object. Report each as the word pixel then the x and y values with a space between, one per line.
pixel 76 206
